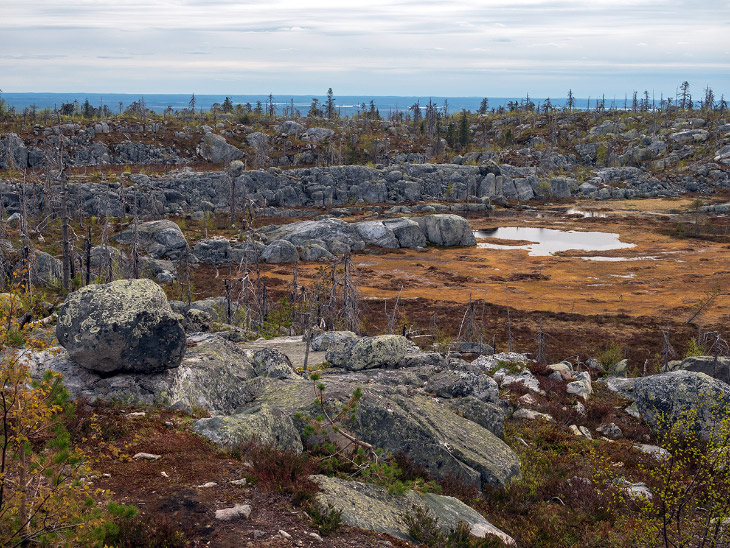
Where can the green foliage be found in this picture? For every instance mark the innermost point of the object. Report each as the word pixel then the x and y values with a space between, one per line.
pixel 325 520
pixel 280 317
pixel 128 529
pixel 695 348
pixel 424 528
pixel 611 355
pixel 602 155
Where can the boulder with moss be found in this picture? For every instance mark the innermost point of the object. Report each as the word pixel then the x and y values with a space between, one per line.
pixel 122 326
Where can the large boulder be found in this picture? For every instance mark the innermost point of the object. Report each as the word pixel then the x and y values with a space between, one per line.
pixel 337 235
pixel 123 326
pixel 666 398
pixel 264 423
pixel 407 232
pixel 44 269
pixel 374 508
pixel 446 229
pixel 215 375
pixel 325 339
pixel 369 352
pixel 719 367
pixel 377 234
pixel 161 239
pixel 280 252
pixel 317 134
pixel 215 149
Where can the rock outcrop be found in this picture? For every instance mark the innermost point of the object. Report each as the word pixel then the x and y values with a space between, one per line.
pixel 123 326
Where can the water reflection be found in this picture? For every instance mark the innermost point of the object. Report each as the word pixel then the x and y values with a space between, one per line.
pixel 546 241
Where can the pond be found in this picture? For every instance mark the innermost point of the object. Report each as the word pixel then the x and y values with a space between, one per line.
pixel 542 242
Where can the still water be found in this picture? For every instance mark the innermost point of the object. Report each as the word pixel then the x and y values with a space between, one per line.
pixel 546 241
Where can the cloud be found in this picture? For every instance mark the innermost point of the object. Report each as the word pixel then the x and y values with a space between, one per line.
pixel 378 46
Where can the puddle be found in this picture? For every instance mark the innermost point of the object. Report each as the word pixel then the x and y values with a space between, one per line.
pixel 586 214
pixel 620 259
pixel 546 241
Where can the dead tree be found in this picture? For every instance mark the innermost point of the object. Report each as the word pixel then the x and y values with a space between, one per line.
pixel 667 351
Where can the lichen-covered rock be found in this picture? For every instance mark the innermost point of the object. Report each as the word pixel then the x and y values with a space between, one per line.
pixel 215 149
pixel 214 375
pixel 486 414
pixel 719 367
pixel 123 326
pixel 581 386
pixel 269 362
pixel 369 352
pixel 435 437
pixel 407 232
pixel 663 399
pixel 372 507
pixel 447 230
pixel 376 233
pixel 161 239
pixel 322 341
pixel 280 252
pixel 459 384
pixel 265 423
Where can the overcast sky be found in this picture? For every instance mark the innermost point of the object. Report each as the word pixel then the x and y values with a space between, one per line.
pixel 371 47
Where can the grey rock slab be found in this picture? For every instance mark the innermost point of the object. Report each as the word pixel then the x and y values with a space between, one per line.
pixel 369 352
pixel 265 423
pixel 446 230
pixel 161 239
pixel 280 252
pixel 666 398
pixel 371 507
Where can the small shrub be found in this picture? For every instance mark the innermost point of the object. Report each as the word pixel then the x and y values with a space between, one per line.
pixel 325 520
pixel 130 530
pixel 611 355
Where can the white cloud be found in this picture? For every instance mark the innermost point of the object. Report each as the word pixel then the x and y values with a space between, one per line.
pixel 446 47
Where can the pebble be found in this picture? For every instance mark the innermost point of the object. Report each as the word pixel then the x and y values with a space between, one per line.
pixel 316 537
pixel 284 533
pixel 136 414
pixel 241 481
pixel 208 484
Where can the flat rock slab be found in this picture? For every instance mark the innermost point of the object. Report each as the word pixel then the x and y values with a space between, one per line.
pixel 293 347
pixel 371 507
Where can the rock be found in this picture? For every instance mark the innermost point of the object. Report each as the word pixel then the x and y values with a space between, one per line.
pixel 214 375
pixel 581 387
pixel 488 415
pixel 522 376
pixel 368 352
pixel 618 369
pixel 446 230
pixel 371 507
pixel 161 239
pixel 459 384
pixel 337 235
pixel 44 269
pixel 265 423
pixel 197 321
pixel 146 456
pixel 490 363
pixel 610 430
pixel 434 437
pixel 257 139
pixel 269 362
pixel 322 341
pixel 290 127
pixel 530 415
pixel 376 233
pixel 655 451
pixel 236 512
pixel 280 252
pixel 407 232
pixel 123 326
pixel 718 369
pixel 666 398
pixel 317 134
pixel 215 149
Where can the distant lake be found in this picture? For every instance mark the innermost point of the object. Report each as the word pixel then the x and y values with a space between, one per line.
pixel 347 105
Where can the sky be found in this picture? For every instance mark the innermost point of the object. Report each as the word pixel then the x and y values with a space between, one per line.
pixel 493 48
